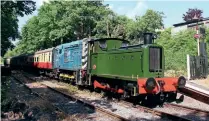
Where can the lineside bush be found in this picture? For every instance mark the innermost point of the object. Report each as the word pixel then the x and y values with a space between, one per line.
pixel 176 47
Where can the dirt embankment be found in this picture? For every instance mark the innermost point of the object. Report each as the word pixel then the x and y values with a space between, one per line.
pixel 19 104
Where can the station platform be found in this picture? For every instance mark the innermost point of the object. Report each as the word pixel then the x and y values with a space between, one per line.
pixel 197 87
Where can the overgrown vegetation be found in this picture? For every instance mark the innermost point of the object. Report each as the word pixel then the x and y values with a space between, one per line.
pixel 177 47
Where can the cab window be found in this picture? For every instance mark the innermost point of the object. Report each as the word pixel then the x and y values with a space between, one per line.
pixel 103 44
pixel 124 44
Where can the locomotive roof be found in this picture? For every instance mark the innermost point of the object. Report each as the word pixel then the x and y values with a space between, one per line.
pixel 98 39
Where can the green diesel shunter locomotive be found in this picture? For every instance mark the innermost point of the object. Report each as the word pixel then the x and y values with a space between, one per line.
pixel 135 70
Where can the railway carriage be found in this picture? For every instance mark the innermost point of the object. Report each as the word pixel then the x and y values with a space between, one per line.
pixel 21 61
pixel 43 59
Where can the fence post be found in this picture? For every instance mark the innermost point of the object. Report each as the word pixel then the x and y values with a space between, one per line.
pixel 188 67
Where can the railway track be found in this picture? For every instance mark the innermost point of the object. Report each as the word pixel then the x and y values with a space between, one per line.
pixel 140 108
pixel 156 112
pixel 196 113
pixel 192 113
pixel 187 108
pixel 160 113
pixel 195 94
pixel 76 99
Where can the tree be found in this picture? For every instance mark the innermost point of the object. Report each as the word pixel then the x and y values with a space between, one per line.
pixel 112 26
pixel 192 13
pixel 10 10
pixel 149 22
pixel 59 22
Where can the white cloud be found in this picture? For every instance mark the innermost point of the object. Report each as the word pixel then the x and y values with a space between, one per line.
pixel 130 10
pixel 111 6
pixel 138 10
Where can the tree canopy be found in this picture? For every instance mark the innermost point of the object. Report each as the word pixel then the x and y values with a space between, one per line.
pixel 64 21
pixel 10 10
pixel 192 13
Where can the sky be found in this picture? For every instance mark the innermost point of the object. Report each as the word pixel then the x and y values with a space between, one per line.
pixel 173 9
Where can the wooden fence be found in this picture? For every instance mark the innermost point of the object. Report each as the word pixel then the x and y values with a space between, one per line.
pixel 197 67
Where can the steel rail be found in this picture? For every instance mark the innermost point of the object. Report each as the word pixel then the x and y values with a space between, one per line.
pixel 87 103
pixel 97 108
pixel 187 108
pixel 156 112
pixel 195 94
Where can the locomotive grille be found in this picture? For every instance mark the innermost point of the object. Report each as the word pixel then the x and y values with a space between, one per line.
pixel 155 59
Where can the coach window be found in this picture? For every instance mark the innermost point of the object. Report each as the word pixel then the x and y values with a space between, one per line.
pixel 124 44
pixel 41 58
pixel 49 56
pixel 44 57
